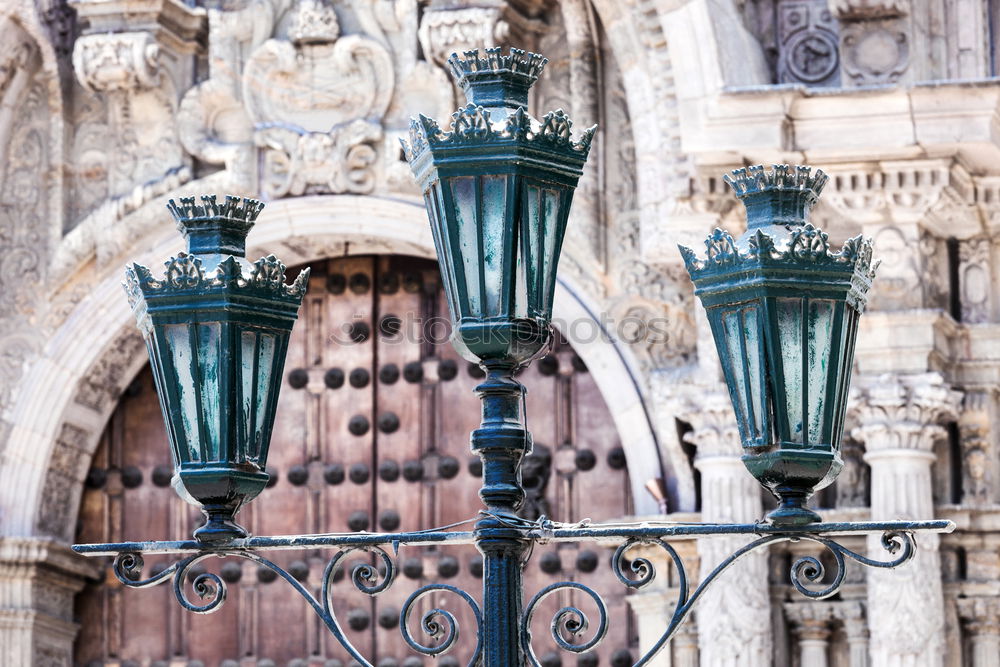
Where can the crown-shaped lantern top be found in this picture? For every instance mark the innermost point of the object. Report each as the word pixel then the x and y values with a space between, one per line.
pixel 782 196
pixel 497 81
pixel 214 228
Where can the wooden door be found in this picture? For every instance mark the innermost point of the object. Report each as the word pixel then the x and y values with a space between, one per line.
pixel 372 433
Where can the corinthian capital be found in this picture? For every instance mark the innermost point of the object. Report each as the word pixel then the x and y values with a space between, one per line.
pixel 981 615
pixel 903 412
pixel 117 61
pixel 713 423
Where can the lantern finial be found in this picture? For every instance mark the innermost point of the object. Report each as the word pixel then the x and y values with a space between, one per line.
pixel 783 195
pixel 211 227
pixel 497 81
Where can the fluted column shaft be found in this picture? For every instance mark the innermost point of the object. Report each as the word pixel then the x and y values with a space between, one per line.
pixel 900 420
pixel 734 621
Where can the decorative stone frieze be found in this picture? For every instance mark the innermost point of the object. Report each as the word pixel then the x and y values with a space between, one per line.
pixel 869 9
pixel 447 28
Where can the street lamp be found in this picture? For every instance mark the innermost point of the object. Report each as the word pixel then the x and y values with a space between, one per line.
pixel 784 313
pixel 217 325
pixel 497 187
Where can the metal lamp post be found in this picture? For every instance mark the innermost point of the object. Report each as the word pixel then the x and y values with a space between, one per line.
pixel 497 189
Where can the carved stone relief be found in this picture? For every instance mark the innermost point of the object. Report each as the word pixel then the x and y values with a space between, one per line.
pixel 807 43
pixel 974 269
pixel 875 52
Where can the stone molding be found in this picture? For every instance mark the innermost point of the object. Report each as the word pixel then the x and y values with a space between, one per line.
pixel 903 413
pixel 38 579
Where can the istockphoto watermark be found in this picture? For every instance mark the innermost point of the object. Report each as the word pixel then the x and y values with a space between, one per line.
pixel 412 329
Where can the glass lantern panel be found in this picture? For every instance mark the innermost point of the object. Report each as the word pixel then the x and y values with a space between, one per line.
pixel 735 361
pixel 434 206
pixel 532 231
pixel 819 332
pixel 753 353
pixel 551 240
pixel 789 323
pixel 465 196
pixel 208 372
pixel 257 351
pixel 182 358
pixel 496 244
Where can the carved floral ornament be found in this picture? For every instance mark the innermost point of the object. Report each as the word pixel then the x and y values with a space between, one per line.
pixel 117 61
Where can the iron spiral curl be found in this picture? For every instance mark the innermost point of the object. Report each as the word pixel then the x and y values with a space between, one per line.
pixel 569 620
pixel 440 624
pixel 810 569
pixel 128 570
pixel 206 585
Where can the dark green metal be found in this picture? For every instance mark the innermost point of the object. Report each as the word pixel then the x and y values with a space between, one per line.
pixel 498 189
pixel 784 312
pixel 216 328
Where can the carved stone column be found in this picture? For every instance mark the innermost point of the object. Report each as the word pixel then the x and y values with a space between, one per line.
pixel 686 645
pixel 852 614
pixel 900 419
pixel 811 621
pixel 981 617
pixel 734 615
pixel 38 579
pixel 652 608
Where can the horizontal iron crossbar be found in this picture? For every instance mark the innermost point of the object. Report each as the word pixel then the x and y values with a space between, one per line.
pixel 599 532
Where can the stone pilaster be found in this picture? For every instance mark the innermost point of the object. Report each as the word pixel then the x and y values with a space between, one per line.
pixel 734 614
pixel 852 615
pixel 652 608
pixel 981 618
pixel 686 645
pixel 899 421
pixel 812 624
pixel 38 579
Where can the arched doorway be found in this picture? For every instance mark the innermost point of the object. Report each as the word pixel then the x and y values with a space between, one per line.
pixel 372 434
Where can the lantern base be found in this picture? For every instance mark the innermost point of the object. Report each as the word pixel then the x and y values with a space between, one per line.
pixel 220 526
pixel 792 512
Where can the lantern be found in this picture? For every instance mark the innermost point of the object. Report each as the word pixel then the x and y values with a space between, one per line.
pixel 784 309
pixel 216 329
pixel 497 189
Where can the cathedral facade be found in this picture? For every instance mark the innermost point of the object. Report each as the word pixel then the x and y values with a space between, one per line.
pixel 109 108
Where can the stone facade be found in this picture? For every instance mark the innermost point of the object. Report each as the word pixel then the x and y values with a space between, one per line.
pixel 110 107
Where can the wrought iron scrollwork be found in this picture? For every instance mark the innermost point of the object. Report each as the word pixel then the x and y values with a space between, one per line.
pixel 445 633
pixel 807 569
pixel 571 628
pixel 570 620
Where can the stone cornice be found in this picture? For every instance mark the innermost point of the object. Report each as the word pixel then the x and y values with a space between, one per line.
pixel 903 413
pixel 172 21
pixel 908 341
pixel 820 126
pixel 19 553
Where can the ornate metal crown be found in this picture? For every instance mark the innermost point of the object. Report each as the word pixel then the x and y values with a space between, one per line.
pixel 756 179
pixel 523 63
pixel 234 209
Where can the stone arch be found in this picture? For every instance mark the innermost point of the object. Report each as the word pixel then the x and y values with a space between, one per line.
pixel 68 394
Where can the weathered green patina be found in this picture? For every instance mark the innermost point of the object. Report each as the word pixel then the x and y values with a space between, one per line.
pixel 498 189
pixel 216 328
pixel 784 312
